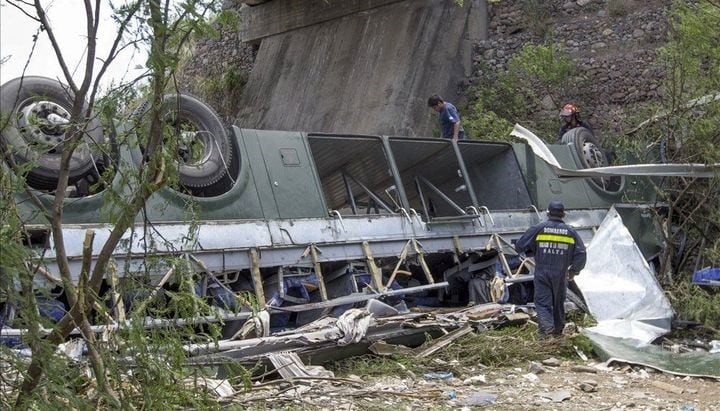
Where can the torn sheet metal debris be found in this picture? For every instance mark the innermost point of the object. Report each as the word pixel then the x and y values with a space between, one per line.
pixel 289 365
pixel 659 170
pixel 382 348
pixel 620 288
pixel 693 364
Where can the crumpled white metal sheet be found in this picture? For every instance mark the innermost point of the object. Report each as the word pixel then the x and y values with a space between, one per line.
pixel 659 170
pixel 620 288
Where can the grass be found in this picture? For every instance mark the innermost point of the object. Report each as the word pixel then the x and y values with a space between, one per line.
pixel 509 346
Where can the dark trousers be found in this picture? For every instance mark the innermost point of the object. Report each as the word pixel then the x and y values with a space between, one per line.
pixel 550 291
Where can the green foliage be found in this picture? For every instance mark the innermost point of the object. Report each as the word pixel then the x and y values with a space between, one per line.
pixel 484 124
pixel 224 91
pixel 695 303
pixel 502 99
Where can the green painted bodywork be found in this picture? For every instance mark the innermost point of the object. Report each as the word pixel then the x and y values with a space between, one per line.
pixel 278 179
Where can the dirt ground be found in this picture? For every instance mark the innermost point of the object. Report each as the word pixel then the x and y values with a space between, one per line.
pixel 617 387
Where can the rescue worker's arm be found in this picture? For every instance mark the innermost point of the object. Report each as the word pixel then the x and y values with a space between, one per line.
pixel 527 241
pixel 579 256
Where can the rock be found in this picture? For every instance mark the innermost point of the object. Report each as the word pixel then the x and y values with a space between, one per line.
pixel 536 368
pixel 476 379
pixel 638 33
pixel 489 53
pixel 602 13
pixel 479 398
pixel 569 5
pixel 667 387
pixel 500 53
pixel 607 32
pixel 582 3
pixel 588 386
pixel 598 45
pixel 583 368
pixel 619 96
pixel 551 362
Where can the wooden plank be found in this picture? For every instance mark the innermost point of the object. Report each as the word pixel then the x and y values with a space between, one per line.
pixel 280 16
pixel 318 272
pixel 444 341
pixel 257 278
pixel 373 268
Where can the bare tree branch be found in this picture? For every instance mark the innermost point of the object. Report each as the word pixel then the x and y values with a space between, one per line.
pixel 55 45
pixel 12 3
pixel 114 51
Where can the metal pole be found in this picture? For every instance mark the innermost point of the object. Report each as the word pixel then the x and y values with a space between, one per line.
pixel 442 195
pixel 351 198
pixel 466 176
pixel 395 172
pixel 422 199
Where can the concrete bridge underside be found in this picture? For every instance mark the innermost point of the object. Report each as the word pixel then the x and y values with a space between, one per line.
pixel 356 66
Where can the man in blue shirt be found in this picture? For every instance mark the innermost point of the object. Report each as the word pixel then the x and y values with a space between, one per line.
pixel 559 256
pixel 448 117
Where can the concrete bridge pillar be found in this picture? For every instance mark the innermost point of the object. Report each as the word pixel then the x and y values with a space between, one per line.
pixel 356 66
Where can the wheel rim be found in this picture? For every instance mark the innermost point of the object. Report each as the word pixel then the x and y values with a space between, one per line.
pixel 43 123
pixel 593 157
pixel 195 147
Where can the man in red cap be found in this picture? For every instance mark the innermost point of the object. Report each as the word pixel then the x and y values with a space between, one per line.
pixel 559 255
pixel 571 119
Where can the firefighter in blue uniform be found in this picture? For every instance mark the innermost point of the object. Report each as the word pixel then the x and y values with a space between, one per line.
pixel 559 256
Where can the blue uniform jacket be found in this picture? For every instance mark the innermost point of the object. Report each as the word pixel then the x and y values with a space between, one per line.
pixel 555 245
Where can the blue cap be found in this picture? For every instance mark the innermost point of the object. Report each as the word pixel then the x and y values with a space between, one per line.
pixel 556 208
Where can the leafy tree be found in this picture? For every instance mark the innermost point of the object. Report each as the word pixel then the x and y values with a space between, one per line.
pixel 163 28
pixel 686 129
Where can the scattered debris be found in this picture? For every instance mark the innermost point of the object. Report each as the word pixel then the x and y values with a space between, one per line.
pixel 438 375
pixel 379 309
pixel 384 349
pixel 289 365
pixel 580 353
pixel 480 398
pixel 556 396
pixel 444 341
pixel 694 364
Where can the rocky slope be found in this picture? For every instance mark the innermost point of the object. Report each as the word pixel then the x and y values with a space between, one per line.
pixel 613 43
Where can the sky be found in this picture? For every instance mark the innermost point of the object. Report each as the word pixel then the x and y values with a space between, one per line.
pixel 68 19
